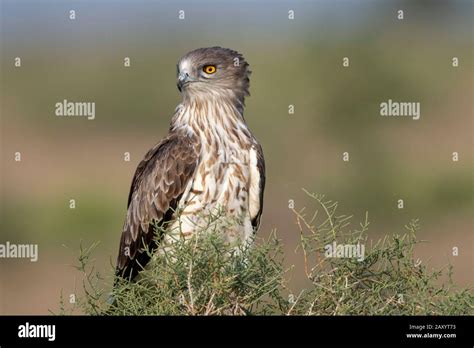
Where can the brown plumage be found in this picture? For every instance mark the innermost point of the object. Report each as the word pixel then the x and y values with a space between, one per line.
pixel 159 181
pixel 209 160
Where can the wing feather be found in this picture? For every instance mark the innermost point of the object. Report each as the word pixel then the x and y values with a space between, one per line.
pixel 258 185
pixel 158 183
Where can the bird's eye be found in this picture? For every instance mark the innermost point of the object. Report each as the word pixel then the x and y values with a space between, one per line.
pixel 209 69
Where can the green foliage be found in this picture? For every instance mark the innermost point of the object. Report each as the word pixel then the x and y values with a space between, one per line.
pixel 205 275
pixel 389 281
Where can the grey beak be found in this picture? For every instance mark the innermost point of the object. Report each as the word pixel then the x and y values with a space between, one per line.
pixel 182 79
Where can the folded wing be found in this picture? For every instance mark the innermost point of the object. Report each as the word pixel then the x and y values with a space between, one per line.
pixel 158 184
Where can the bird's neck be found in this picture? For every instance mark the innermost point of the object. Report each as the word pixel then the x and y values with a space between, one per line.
pixel 217 116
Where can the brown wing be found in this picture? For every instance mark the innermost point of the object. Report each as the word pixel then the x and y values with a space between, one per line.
pixel 158 184
pixel 261 171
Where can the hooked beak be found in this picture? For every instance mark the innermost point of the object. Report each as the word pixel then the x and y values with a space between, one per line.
pixel 183 78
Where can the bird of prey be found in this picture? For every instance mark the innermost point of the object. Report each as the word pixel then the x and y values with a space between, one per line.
pixel 209 160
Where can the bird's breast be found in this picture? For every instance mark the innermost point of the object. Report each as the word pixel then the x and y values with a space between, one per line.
pixel 219 188
pixel 221 179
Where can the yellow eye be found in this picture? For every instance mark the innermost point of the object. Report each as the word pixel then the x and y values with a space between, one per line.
pixel 209 69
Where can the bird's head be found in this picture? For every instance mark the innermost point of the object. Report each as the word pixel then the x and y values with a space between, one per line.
pixel 208 72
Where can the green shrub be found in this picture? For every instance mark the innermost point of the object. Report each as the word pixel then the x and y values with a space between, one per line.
pixel 207 276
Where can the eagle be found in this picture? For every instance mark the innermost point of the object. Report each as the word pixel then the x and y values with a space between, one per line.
pixel 209 161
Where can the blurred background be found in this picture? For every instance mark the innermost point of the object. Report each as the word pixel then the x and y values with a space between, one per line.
pixel 296 62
